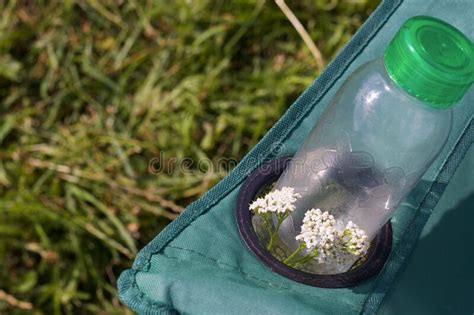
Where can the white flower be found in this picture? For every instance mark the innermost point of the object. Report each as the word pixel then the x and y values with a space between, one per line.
pixel 354 240
pixel 318 232
pixel 276 201
pixel 320 235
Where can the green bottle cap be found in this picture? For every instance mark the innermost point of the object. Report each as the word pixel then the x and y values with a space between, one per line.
pixel 431 60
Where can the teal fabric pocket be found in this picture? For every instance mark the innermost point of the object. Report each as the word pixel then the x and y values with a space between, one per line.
pixel 438 276
pixel 199 264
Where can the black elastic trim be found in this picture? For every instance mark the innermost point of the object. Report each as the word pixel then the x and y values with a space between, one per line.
pixel 268 173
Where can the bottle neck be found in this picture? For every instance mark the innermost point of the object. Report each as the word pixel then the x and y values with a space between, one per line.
pixel 409 93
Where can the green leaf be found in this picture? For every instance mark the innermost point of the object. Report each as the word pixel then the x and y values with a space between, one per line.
pixel 10 68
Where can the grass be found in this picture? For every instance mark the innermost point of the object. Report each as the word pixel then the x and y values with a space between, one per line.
pixel 91 91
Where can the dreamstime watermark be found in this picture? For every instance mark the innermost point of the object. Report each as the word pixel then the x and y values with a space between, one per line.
pixel 189 166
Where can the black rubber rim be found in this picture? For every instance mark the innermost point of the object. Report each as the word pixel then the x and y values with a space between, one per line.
pixel 266 174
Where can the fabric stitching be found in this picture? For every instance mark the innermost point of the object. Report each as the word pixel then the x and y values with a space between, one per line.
pixel 243 273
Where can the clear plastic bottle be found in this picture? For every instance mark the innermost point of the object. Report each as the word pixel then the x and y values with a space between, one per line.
pixel 382 130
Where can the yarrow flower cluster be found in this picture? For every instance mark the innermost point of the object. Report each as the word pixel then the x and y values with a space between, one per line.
pixel 319 234
pixel 320 238
pixel 276 201
pixel 354 240
pixel 279 202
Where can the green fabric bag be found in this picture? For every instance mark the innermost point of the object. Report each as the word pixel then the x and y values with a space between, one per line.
pixel 198 264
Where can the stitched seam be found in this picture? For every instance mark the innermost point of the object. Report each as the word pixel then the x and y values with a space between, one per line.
pixel 217 263
pixel 147 302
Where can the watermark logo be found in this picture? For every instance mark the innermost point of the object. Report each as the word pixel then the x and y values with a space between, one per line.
pixel 186 165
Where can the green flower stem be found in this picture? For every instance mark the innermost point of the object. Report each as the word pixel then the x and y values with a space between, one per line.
pixel 267 224
pixel 294 254
pixel 275 232
pixel 314 253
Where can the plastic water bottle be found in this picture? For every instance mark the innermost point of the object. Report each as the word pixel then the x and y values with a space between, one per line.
pixel 382 130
